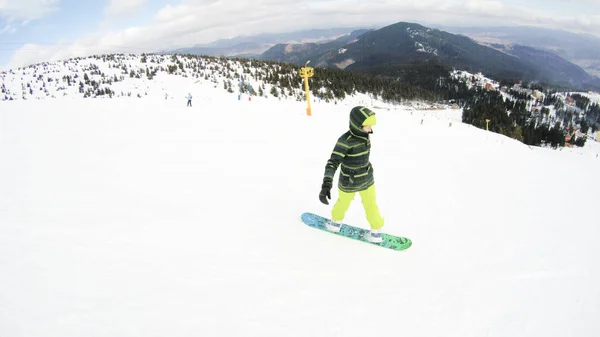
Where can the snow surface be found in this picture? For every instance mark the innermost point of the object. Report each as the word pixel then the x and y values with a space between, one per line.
pixel 142 217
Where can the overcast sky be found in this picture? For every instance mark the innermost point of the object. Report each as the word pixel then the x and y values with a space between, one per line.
pixel 33 31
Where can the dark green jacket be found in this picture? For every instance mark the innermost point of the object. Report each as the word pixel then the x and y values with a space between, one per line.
pixel 351 154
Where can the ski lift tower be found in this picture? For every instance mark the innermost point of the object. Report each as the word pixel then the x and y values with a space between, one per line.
pixel 305 73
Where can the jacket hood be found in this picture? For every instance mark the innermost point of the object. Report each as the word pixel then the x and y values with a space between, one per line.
pixel 358 115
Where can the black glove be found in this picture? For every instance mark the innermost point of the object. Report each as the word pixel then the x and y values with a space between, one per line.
pixel 325 191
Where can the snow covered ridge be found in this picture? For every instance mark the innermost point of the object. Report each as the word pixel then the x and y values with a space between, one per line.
pixel 129 75
pixel 168 76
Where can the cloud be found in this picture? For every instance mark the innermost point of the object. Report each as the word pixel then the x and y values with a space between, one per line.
pixel 8 29
pixel 200 21
pixel 123 8
pixel 26 10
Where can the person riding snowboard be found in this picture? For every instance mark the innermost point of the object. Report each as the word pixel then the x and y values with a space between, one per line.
pixel 351 154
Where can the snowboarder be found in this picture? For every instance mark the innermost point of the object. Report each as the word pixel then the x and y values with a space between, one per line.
pixel 189 98
pixel 351 153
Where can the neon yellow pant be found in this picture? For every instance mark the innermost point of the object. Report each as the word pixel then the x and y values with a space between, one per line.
pixel 369 204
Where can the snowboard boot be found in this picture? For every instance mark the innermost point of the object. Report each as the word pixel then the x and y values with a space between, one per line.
pixel 333 226
pixel 374 235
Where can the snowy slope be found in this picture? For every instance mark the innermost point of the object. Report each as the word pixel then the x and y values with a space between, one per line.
pixel 141 217
pixel 126 75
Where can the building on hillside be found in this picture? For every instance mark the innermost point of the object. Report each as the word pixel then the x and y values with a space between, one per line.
pixel 570 101
pixel 568 140
pixel 598 136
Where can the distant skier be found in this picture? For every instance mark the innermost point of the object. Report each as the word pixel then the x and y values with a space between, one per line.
pixel 189 99
pixel 351 151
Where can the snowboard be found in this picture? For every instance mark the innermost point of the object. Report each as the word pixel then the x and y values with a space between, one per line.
pixel 389 241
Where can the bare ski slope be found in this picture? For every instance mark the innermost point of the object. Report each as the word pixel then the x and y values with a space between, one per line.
pixel 141 217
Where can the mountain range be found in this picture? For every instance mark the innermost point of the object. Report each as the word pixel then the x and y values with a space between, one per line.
pixel 581 49
pixel 254 45
pixel 403 50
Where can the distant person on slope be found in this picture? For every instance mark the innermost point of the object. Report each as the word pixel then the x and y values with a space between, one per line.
pixel 351 151
pixel 189 98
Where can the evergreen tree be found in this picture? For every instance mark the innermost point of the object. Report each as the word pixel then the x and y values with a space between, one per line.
pixel 274 91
